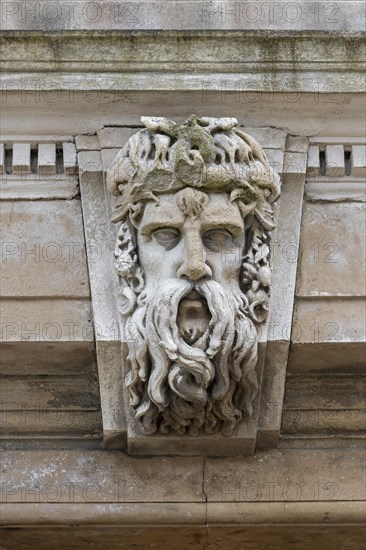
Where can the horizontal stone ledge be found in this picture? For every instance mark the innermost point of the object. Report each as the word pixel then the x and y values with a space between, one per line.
pixel 188 14
pixel 211 84
pixel 192 513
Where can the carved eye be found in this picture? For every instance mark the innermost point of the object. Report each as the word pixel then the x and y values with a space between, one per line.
pixel 217 238
pixel 168 237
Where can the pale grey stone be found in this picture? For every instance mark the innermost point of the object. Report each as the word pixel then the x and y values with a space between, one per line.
pixel 334 157
pixel 21 158
pixel 358 159
pixel 294 167
pixel 114 137
pixel 297 144
pixel 2 151
pixel 269 138
pixel 87 143
pixel 69 151
pixel 313 165
pixel 172 272
pixel 108 157
pixel 47 158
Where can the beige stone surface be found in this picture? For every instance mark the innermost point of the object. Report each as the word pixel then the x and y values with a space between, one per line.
pixel 326 393
pixel 328 336
pixel 275 498
pixel 100 238
pixel 269 138
pixel 157 15
pixel 275 159
pixel 90 161
pixel 358 160
pixel 68 357
pixel 328 321
pixel 50 393
pixel 2 153
pixel 112 476
pixel 36 187
pixel 108 156
pixel 327 357
pixel 43 250
pixel 285 246
pixel 334 158
pixel 115 137
pixel 286 476
pixel 87 143
pixel 35 423
pixel 324 421
pixel 313 162
pixel 297 144
pixel 189 536
pixel 69 152
pixel 122 538
pixel 47 158
pixel 294 167
pixel 332 246
pixel 46 320
pixel 21 158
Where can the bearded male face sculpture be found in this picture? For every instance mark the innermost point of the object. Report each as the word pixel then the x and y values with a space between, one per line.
pixel 194 201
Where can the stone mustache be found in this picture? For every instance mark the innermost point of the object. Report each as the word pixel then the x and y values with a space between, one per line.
pixel 195 204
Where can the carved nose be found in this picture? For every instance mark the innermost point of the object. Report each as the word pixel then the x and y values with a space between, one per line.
pixel 195 271
pixel 194 266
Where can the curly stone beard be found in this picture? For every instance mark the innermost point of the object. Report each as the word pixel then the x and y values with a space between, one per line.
pixel 202 387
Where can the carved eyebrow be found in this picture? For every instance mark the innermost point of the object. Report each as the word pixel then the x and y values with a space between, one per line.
pixel 151 226
pixel 234 228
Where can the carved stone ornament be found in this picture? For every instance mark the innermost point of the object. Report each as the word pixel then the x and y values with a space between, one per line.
pixel 194 202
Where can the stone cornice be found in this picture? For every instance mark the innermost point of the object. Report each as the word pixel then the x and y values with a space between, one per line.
pixel 53 15
pixel 265 61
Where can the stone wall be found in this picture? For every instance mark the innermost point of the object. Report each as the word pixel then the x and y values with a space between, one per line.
pixel 74 86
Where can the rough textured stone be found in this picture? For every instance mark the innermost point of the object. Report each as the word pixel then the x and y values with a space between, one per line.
pixel 87 143
pixel 334 158
pixel 342 16
pixel 195 273
pixel 21 162
pixel 108 157
pixel 331 247
pixel 294 167
pixel 43 250
pixel 114 137
pixel 47 158
pixel 269 138
pixel 297 144
pixel 358 160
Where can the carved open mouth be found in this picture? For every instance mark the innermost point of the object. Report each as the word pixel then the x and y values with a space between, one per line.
pixel 193 317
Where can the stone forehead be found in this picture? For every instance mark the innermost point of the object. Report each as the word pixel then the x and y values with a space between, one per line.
pixel 192 204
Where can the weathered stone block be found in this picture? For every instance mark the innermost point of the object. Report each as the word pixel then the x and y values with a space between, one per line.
pixel 269 138
pixel 294 167
pixel 297 144
pixel 328 335
pixel 47 158
pixel 332 246
pixel 21 158
pixel 43 250
pixel 334 155
pixel 115 137
pixel 275 159
pixel 108 156
pixel 87 143
pixel 358 159
pixel 313 165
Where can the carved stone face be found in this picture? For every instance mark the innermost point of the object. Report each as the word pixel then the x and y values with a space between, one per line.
pixel 196 237
pixel 192 254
